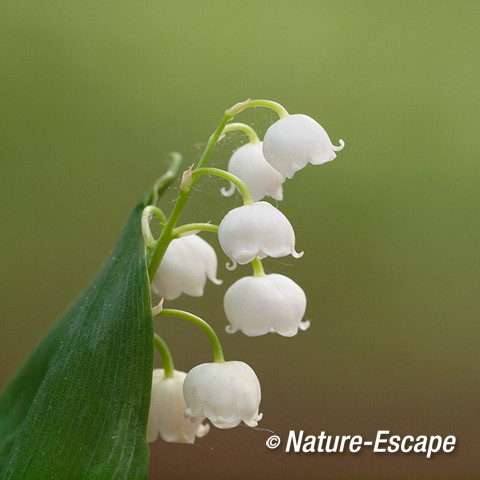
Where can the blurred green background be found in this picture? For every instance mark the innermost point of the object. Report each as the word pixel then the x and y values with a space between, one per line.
pixel 94 95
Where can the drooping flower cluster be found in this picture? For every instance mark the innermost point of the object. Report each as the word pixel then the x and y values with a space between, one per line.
pixel 227 393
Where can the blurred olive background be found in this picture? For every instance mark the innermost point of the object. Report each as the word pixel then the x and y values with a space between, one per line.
pixel 94 95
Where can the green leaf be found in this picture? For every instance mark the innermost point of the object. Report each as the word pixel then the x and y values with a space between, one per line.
pixel 78 407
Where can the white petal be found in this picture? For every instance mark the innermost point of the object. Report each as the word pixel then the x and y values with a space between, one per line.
pixel 167 405
pixel 226 393
pixel 250 166
pixel 185 267
pixel 259 305
pixel 228 192
pixel 258 230
pixel 293 141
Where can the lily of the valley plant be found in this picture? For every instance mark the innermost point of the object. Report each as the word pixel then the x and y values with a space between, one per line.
pixel 181 261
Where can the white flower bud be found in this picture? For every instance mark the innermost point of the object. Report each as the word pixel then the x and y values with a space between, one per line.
pixel 272 303
pixel 226 393
pixel 167 406
pixel 249 165
pixel 257 230
pixel 293 141
pixel 185 267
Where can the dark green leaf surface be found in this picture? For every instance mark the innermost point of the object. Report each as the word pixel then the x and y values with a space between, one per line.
pixel 18 395
pixel 78 407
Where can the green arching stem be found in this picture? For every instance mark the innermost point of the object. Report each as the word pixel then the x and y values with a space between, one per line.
pixel 239 107
pixel 216 346
pixel 247 196
pixel 153 210
pixel 165 356
pixel 243 127
pixel 189 227
pixel 166 236
pixel 147 233
pixel 166 179
pixel 258 270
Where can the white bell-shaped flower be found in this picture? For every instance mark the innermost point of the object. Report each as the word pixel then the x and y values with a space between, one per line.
pixel 185 267
pixel 293 141
pixel 226 393
pixel 271 303
pixel 167 407
pixel 249 165
pixel 257 230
